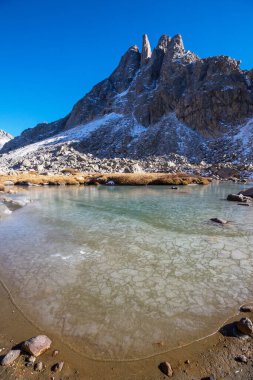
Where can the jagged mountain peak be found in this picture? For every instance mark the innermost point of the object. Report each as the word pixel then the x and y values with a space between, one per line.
pixel 163 42
pixel 162 94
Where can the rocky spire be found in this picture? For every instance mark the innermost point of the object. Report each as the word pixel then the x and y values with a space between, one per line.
pixel 163 42
pixel 146 50
pixel 126 70
pixel 176 47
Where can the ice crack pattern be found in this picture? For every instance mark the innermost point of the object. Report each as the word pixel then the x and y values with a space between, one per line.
pixel 123 273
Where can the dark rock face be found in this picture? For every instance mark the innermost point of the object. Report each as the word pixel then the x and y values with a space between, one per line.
pixel 206 95
pixel 247 193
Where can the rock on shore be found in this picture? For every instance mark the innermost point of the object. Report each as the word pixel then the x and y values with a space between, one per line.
pixel 10 357
pixel 37 345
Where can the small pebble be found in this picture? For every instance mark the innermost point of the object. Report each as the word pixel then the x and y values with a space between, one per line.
pixel 31 359
pixel 241 359
pixel 187 361
pixel 55 353
pixel 58 367
pixel 246 308
pixel 38 367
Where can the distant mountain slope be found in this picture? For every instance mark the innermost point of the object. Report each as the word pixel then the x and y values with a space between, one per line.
pixel 159 102
pixel 4 138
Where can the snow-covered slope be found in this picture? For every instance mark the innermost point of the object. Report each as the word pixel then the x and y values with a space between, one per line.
pixel 4 138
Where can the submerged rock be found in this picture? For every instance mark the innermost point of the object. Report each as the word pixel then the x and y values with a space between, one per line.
pixel 236 198
pixel 37 345
pixel 14 204
pixel 247 192
pixel 10 357
pixel 218 220
pixel 4 210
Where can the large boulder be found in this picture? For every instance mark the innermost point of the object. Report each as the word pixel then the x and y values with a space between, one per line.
pixel 236 198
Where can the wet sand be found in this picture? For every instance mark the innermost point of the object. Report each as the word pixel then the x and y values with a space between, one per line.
pixel 212 355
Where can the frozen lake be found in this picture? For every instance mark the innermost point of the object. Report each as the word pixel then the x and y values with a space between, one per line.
pixel 127 272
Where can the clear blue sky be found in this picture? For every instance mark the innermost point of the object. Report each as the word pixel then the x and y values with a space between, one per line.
pixel 54 51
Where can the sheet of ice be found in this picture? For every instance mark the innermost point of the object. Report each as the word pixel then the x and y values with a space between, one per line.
pixel 117 270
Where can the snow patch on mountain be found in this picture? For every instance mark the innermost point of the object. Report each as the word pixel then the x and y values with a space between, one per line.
pixel 74 135
pixel 245 137
pixel 4 138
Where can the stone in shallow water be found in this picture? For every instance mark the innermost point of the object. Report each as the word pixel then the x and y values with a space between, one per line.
pixel 37 345
pixel 247 192
pixel 218 220
pixel 10 357
pixel 236 198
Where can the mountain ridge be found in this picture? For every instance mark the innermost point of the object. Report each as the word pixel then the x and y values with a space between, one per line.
pixel 171 96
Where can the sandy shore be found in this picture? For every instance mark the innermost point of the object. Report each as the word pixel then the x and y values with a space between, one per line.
pixel 213 355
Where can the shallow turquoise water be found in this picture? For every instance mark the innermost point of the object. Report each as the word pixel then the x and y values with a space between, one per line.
pixel 126 272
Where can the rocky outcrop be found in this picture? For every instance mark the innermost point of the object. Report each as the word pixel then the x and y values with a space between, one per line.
pixel 146 50
pixel 166 101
